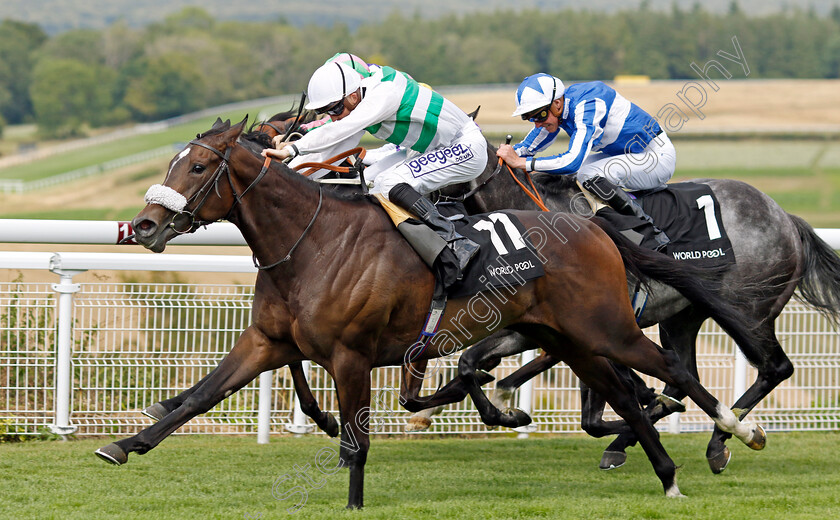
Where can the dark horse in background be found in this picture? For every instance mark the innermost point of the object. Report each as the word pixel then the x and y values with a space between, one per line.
pixel 776 253
pixel 340 286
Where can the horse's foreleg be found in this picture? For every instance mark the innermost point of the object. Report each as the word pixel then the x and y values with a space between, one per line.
pixel 308 403
pixel 492 350
pixel 506 387
pixel 253 353
pixel 161 409
pixel 351 372
pixel 490 415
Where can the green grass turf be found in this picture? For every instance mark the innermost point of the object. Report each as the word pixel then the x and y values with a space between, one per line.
pixel 795 477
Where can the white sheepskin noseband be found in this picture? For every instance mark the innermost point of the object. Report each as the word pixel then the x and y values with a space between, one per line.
pixel 166 197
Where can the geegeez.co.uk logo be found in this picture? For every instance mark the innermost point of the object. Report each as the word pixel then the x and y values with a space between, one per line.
pixel 437 159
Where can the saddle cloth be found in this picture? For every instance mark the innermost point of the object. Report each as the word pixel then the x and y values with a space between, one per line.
pixel 689 214
pixel 506 258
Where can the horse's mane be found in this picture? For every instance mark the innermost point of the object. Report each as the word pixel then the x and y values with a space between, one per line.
pixel 555 185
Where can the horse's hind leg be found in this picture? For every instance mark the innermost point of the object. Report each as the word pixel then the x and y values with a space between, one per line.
pixel 308 403
pixel 253 353
pixel 598 373
pixel 644 355
pixel 774 369
pixel 679 334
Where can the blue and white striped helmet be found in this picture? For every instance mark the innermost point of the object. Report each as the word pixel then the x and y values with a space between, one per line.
pixel 537 91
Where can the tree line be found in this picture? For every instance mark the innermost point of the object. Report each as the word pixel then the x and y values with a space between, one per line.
pixel 89 78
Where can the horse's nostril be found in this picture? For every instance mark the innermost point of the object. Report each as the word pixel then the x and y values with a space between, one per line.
pixel 144 226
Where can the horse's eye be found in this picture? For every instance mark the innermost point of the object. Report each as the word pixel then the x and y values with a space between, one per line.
pixel 198 168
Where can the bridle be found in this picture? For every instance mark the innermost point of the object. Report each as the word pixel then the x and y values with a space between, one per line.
pixel 204 192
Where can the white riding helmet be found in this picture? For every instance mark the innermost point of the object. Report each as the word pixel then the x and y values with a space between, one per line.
pixel 330 83
pixel 536 92
pixel 354 62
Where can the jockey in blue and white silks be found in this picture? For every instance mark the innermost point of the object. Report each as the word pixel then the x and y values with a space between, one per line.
pixel 612 142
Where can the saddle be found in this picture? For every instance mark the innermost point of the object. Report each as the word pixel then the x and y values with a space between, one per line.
pixel 506 258
pixel 689 214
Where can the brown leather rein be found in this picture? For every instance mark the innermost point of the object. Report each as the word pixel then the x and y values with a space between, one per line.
pixel 308 168
pixel 312 167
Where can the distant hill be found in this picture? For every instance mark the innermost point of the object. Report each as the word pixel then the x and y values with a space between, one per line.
pixel 56 16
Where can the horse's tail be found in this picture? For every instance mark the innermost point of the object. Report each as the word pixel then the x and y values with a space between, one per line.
pixel 820 281
pixel 699 286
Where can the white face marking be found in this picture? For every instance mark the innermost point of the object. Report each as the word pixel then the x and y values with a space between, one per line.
pixel 185 152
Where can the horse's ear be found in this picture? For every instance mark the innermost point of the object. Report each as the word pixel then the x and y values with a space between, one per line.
pixel 236 129
pixel 217 124
pixel 474 113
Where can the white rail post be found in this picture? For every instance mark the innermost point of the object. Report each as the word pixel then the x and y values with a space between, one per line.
pixel 740 375
pixel 298 425
pixel 526 397
pixel 674 422
pixel 264 413
pixel 64 352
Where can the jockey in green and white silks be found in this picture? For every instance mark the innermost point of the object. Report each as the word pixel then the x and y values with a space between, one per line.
pixel 441 144
pixel 436 143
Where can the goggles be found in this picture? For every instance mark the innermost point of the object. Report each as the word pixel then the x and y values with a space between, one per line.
pixel 335 109
pixel 537 116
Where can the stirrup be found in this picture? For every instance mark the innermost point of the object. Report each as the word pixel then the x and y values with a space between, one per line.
pixel 464 249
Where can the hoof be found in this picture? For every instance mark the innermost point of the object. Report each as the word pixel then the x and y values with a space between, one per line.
pixel 514 418
pixel 718 463
pixel 759 438
pixel 112 454
pixel 331 426
pixel 612 460
pixel 155 412
pixel 418 424
pixel 671 404
pixel 674 492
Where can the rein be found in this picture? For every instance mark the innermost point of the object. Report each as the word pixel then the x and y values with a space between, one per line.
pixel 328 164
pixel 299 240
pixel 532 193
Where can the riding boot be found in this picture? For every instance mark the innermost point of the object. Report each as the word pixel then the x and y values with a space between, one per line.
pixel 620 201
pixel 407 197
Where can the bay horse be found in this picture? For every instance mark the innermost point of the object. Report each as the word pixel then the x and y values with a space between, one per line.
pixel 340 286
